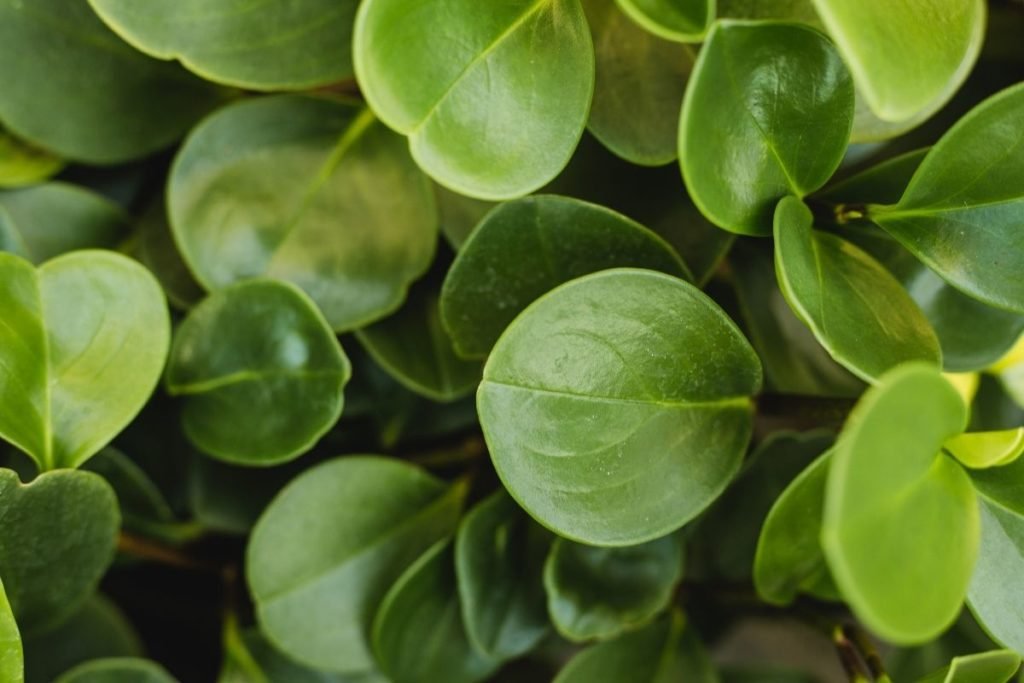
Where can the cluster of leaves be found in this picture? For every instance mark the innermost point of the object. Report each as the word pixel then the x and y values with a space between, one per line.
pixel 341 302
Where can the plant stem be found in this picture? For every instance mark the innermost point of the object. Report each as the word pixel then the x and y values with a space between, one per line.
pixel 147 549
pixel 868 651
pixel 850 657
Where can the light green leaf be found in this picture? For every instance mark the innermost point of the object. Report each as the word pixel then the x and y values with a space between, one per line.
pixel 118 670
pixel 56 542
pixel 48 220
pixel 481 118
pixel 602 592
pixel 663 652
pixel 767 114
pixel 959 214
pixel 987 449
pixel 24 164
pixel 260 371
pixel 70 85
pixel 81 349
pixel 418 634
pixel 997 666
pixel 683 20
pixel 306 189
pixel 636 386
pixel 858 311
pixel 901 527
pixel 640 79
pixel 330 545
pixel 282 46
pixel 499 561
pixel 528 247
pixel 903 58
pixel 12 664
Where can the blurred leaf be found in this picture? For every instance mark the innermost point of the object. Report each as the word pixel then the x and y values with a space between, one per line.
pixel 23 164
pixel 12 664
pixel 117 670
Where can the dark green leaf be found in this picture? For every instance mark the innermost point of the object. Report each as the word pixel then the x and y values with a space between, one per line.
pixel 117 670
pixel 158 252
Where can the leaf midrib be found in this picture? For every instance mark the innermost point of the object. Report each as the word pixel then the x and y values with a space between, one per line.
pixel 724 402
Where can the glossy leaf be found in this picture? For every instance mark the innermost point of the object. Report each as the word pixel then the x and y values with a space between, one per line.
pixel 83 344
pixel 640 79
pixel 12 664
pixel 290 46
pixel 858 311
pixel 998 666
pixel 636 387
pixel 894 500
pixel 480 118
pixel 47 220
pixel 906 55
pixel 683 20
pixel 276 391
pixel 528 247
pixel 662 652
pixel 767 114
pixel 602 592
pixel 959 213
pixel 23 164
pixel 330 545
pixel 418 634
pixel 117 670
pixel 987 449
pixel 71 86
pixel 306 189
pixel 499 560
pixel 56 542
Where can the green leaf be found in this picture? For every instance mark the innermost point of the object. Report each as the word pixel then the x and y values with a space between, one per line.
pixel 12 665
pixel 292 46
pixel 306 189
pixel 683 20
pixel 528 247
pixel 987 449
pixel 663 652
pixel 636 388
pixel 640 79
pixel 858 311
pixel 998 666
pixel 499 561
pixel 959 214
pixel 70 85
pixel 767 114
pixel 330 545
pixel 459 215
pixel 82 346
pixel 903 60
pixel 48 220
pixel 24 164
pixel 58 538
pixel 117 670
pixel 418 634
pixel 414 348
pixel 481 118
pixel 602 592
pixel 789 558
pixel 140 501
pixel 156 250
pixel 260 371
pixel 901 527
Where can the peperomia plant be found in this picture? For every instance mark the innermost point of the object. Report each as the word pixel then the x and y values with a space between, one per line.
pixel 446 341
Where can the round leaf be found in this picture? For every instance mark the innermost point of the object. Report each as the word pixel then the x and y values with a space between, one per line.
pixel 987 449
pixel 117 670
pixel 261 373
pixel 997 666
pixel 901 527
pixel 305 189
pixel 767 114
pixel 683 20
pixel 528 247
pixel 24 164
pixel 81 349
pixel 330 545
pixel 69 84
pixel 635 390
pixel 856 308
pixel 602 592
pixel 279 46
pixel 12 665
pixel 481 117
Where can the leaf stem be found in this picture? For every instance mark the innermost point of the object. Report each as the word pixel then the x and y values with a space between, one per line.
pixel 144 548
pixel 850 657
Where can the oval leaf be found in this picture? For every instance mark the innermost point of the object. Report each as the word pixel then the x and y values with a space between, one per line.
pixel 102 324
pixel 767 114
pixel 475 124
pixel 118 670
pixel 277 186
pixel 998 666
pixel 901 527
pixel 330 545
pixel 12 664
pixel 636 387
pixel 528 247
pixel 682 20
pixel 278 390
pixel 858 311
pixel 987 449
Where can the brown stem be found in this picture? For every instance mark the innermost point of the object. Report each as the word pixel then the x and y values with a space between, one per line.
pixel 849 656
pixel 867 649
pixel 147 549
